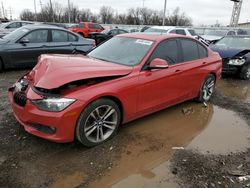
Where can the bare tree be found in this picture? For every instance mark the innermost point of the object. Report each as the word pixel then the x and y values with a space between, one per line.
pixel 106 14
pixel 26 14
pixel 178 18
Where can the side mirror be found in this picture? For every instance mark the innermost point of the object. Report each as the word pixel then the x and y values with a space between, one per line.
pixel 24 41
pixel 158 63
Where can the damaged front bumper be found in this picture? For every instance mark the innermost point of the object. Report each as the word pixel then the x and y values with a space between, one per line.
pixel 54 126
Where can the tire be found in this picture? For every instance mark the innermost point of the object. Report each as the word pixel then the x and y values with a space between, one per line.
pixel 98 122
pixel 245 72
pixel 207 89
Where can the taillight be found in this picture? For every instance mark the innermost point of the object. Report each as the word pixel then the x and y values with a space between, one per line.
pixel 94 44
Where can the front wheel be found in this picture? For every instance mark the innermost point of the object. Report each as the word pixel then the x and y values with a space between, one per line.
pixel 245 72
pixel 207 89
pixel 98 122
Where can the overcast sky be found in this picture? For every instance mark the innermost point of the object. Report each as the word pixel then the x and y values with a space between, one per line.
pixel 201 11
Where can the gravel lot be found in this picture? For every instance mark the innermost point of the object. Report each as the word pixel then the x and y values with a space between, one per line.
pixel 188 145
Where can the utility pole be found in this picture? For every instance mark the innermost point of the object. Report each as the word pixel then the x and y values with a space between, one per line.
pixel 3 11
pixel 10 12
pixel 143 3
pixel 236 13
pixel 164 12
pixel 69 9
pixel 35 10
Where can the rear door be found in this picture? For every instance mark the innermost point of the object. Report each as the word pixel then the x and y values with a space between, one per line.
pixel 26 54
pixel 62 42
pixel 192 67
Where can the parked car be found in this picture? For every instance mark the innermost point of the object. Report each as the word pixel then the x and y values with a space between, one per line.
pixel 171 29
pixel 213 35
pixel 84 28
pixel 22 47
pixel 8 27
pixel 127 77
pixel 235 52
pixel 106 34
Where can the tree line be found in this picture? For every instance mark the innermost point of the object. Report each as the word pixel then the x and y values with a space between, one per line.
pixel 56 12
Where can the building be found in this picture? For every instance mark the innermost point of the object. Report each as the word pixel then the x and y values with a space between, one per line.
pixel 246 24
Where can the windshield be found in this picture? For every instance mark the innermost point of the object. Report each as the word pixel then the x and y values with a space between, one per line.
pixel 105 31
pixel 220 33
pixel 154 30
pixel 235 42
pixel 2 26
pixel 122 50
pixel 16 34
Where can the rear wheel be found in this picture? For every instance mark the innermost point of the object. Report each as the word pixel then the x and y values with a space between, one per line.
pixel 98 122
pixel 207 88
pixel 245 72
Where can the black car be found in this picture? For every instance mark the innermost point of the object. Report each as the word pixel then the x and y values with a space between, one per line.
pixel 235 52
pixel 106 34
pixel 22 47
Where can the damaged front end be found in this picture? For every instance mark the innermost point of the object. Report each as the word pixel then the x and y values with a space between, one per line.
pixel 53 100
pixel 233 64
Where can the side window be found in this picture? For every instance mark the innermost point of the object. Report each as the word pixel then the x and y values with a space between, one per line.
pixel 82 25
pixel 173 31
pixel 113 32
pixel 26 23
pixel 230 33
pixel 122 31
pixel 59 36
pixel 180 32
pixel 72 38
pixel 189 49
pixel 95 26
pixel 14 25
pixel 167 50
pixel 202 51
pixel 37 36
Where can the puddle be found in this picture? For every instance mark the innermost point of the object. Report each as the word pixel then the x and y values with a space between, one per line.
pixel 226 133
pixel 239 89
pixel 157 134
pixel 144 162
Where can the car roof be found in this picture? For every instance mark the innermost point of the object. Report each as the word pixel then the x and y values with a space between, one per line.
pixel 163 27
pixel 43 26
pixel 153 36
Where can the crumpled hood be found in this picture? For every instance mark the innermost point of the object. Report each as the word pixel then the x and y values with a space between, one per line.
pixel 53 71
pixel 211 37
pixel 227 52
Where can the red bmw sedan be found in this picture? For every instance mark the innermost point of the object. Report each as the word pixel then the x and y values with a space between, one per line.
pixel 127 77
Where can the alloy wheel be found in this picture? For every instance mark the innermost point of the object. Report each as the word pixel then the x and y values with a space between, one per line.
pixel 208 89
pixel 101 123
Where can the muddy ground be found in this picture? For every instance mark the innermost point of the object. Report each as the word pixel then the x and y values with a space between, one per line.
pixel 188 145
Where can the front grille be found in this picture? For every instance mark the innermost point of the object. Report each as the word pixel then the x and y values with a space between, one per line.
pixel 20 99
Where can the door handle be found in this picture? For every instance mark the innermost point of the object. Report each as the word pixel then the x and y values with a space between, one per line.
pixel 44 46
pixel 204 63
pixel 177 70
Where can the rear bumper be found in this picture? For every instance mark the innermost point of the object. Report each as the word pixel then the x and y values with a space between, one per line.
pixel 36 121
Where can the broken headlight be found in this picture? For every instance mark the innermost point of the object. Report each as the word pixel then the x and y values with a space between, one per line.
pixel 236 62
pixel 53 104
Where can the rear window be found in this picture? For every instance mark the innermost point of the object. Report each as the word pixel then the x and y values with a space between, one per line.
pixel 180 32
